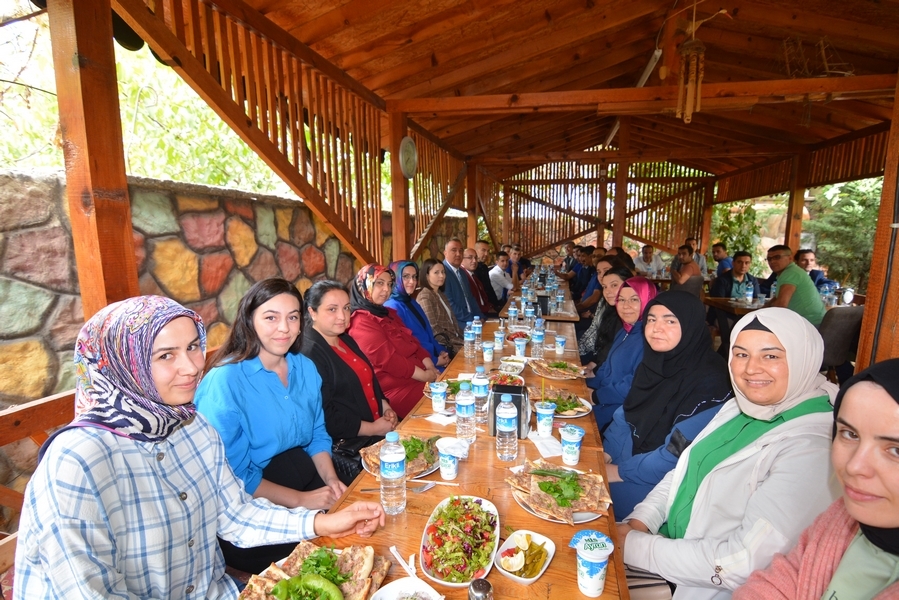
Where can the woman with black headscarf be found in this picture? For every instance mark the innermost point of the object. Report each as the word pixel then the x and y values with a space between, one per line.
pixel 677 389
pixel 401 364
pixel 852 550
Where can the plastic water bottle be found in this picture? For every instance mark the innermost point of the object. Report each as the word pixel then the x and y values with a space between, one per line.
pixel 538 337
pixel 513 313
pixel 478 327
pixel 480 386
pixel 506 429
pixel 393 475
pixel 465 419
pixel 468 337
pixel 529 315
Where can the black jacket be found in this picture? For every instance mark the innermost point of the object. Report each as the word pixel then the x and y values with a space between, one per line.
pixel 343 399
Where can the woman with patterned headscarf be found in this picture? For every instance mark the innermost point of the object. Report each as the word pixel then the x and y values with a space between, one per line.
pixel 613 380
pixel 852 549
pixel 401 364
pixel 127 500
pixel 754 478
pixel 411 313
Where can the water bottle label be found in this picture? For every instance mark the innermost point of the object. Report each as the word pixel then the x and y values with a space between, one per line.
pixel 537 337
pixel 477 327
pixel 529 311
pixel 480 388
pixel 465 410
pixel 506 423
pixel 469 335
pixel 393 470
pixel 513 313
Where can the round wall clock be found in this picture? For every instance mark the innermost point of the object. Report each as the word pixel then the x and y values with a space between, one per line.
pixel 408 157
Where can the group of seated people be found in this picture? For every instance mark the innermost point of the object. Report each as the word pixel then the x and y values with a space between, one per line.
pixel 715 466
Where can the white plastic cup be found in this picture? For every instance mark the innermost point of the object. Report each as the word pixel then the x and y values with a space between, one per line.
pixel 499 338
pixel 571 444
pixel 545 413
pixel 560 344
pixel 521 345
pixel 487 347
pixel 438 395
pixel 593 551
pixel 449 463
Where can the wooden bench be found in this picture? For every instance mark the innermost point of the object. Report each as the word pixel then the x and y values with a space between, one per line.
pixel 32 420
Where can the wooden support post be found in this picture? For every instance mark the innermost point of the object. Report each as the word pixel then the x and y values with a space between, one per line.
pixel 705 234
pixel 96 187
pixel 472 206
pixel 880 328
pixel 508 207
pixel 399 127
pixel 618 215
pixel 798 178
pixel 603 213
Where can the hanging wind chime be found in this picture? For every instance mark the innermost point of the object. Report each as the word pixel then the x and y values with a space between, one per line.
pixel 692 69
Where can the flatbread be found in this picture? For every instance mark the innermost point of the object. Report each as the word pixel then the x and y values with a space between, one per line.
pixel 372 459
pixel 367 571
pixel 543 369
pixel 526 488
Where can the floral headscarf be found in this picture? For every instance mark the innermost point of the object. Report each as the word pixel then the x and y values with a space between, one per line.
pixel 363 284
pixel 114 387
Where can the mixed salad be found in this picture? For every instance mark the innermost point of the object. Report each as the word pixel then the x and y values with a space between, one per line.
pixel 459 540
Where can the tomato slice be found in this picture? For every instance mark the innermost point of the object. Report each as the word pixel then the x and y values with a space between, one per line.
pixel 479 573
pixel 428 558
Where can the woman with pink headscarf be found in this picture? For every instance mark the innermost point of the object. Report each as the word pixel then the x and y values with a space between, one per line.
pixel 613 380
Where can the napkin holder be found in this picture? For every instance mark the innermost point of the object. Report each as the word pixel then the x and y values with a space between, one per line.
pixel 519 399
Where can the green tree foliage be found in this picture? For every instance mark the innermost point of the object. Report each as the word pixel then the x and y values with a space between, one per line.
pixel 844 218
pixel 737 226
pixel 169 132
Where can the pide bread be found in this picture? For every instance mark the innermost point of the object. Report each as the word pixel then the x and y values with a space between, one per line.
pixel 366 572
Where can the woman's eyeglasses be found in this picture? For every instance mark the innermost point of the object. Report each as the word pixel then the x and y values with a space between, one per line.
pixel 412 277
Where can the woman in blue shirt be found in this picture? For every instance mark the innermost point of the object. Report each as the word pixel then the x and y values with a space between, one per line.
pixel 613 380
pixel 411 312
pixel 264 398
pixel 677 389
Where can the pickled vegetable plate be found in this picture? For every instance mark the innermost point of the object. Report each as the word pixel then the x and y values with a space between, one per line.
pixel 511 542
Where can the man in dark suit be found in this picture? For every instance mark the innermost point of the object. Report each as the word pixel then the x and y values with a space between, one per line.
pixel 458 290
pixel 469 264
pixel 482 274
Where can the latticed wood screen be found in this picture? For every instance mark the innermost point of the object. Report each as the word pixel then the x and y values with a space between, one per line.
pixel 438 185
pixel 322 138
pixel 554 202
pixel 491 205
pixel 664 203
pixel 853 159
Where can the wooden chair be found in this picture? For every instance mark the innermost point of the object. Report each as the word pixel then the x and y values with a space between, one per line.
pixel 840 329
pixel 31 420
pixel 693 286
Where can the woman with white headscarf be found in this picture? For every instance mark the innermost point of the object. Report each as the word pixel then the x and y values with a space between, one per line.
pixel 754 478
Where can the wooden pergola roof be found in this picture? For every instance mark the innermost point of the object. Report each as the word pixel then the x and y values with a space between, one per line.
pixel 457 50
pixel 526 113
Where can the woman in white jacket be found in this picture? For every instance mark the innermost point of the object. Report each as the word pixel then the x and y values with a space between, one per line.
pixel 754 478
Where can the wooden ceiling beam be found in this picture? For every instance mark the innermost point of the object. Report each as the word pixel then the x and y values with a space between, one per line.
pixel 655 99
pixel 494 140
pixel 593 157
pixel 601 19
pixel 697 127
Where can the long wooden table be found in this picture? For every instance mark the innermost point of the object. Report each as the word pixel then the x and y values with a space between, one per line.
pixel 482 475
pixel 568 315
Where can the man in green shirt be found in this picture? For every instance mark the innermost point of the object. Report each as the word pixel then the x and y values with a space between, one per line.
pixel 795 289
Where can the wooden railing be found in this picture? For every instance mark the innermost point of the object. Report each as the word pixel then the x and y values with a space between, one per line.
pixel 32 420
pixel 439 184
pixel 316 127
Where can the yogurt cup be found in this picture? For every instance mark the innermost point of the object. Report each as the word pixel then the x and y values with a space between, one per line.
pixel 521 345
pixel 545 413
pixel 438 395
pixel 593 551
pixel 499 338
pixel 571 444
pixel 487 347
pixel 449 462
pixel 560 344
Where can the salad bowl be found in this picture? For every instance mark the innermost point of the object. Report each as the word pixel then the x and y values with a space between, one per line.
pixel 460 523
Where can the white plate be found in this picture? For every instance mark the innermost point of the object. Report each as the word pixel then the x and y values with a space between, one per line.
pixel 424 473
pixel 535 538
pixel 571 377
pixel 586 404
pixel 408 585
pixel 488 506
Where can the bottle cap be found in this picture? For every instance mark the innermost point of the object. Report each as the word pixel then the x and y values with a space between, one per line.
pixel 392 436
pixel 465 385
pixel 505 398
pixel 479 369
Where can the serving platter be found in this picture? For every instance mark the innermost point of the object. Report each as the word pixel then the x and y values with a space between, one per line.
pixel 579 517
pixel 488 507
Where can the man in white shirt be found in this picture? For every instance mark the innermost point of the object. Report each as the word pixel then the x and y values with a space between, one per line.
pixel 499 278
pixel 649 261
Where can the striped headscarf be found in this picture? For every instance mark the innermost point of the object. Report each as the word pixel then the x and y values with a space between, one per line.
pixel 114 387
